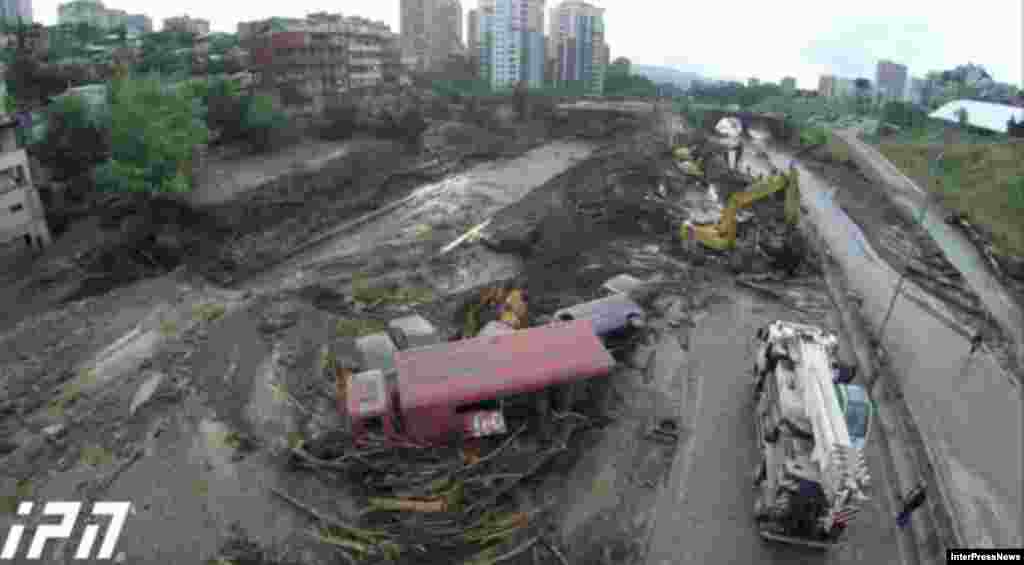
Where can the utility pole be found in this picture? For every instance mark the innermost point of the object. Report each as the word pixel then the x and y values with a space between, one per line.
pixel 920 220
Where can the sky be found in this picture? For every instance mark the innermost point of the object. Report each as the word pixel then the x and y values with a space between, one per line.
pixel 767 40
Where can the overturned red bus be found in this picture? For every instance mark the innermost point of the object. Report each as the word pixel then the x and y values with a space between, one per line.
pixel 441 392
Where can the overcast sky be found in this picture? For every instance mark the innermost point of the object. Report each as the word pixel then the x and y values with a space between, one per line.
pixel 740 39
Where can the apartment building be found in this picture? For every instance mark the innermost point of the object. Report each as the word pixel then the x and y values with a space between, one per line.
pixel 22 218
pixel 320 55
pixel 138 24
pixel 577 31
pixel 94 13
pixel 830 86
pixel 512 45
pixel 473 32
pixel 13 11
pixel 185 24
pixel 826 86
pixel 916 89
pixel 431 31
pixel 890 80
pixel 373 52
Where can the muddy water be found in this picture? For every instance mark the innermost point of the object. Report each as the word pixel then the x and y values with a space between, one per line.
pixel 415 229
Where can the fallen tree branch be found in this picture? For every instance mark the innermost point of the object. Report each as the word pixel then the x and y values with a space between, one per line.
pixel 518 550
pixel 335 464
pixel 323 516
pixel 543 460
pixel 554 551
pixel 490 455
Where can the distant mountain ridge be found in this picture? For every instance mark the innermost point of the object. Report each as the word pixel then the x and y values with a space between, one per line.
pixel 682 79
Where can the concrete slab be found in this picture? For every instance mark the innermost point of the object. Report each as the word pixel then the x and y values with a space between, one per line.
pixel 414 331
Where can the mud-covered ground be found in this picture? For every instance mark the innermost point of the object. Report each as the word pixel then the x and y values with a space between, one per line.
pixel 185 397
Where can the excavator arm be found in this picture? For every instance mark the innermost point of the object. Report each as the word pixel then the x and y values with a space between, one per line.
pixel 722 236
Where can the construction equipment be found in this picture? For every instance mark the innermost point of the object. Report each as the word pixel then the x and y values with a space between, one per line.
pixel 722 236
pixel 811 430
pixel 689 162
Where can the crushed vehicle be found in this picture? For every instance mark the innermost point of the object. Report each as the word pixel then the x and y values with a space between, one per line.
pixel 811 430
pixel 470 388
pixel 610 315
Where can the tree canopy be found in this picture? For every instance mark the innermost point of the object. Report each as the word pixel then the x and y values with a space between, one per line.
pixel 153 130
pixel 726 93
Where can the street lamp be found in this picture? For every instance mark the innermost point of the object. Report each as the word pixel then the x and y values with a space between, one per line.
pixel 933 173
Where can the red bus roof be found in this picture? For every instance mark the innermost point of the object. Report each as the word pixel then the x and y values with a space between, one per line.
pixel 483 368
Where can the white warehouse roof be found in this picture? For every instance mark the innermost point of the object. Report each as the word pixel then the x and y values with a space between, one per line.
pixel 986 115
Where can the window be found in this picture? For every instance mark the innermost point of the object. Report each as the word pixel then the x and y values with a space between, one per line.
pixel 857 419
pixel 374 424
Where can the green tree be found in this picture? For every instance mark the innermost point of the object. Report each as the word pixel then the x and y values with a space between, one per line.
pixel 152 135
pixel 75 140
pixel 262 123
pixel 903 114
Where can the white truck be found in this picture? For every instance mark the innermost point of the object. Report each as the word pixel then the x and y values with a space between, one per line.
pixel 811 428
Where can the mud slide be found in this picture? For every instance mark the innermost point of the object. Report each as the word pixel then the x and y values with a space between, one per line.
pixel 415 229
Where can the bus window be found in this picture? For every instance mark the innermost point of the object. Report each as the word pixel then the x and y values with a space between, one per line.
pixel 374 424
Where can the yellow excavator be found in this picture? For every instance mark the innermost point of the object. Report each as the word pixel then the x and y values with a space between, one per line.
pixel 722 235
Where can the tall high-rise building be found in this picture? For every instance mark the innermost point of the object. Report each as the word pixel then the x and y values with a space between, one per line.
pixel 826 86
pixel 511 42
pixel 14 10
pixel 186 24
pixel 577 29
pixel 431 30
pixel 891 80
pixel 94 13
pixel 473 31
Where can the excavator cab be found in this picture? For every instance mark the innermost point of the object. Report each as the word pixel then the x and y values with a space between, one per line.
pixel 722 235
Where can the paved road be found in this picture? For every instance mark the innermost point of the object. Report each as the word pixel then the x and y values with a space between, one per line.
pixel 960 252
pixel 705 513
pixel 966 408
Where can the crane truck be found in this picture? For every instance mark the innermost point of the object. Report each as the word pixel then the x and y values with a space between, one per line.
pixel 811 426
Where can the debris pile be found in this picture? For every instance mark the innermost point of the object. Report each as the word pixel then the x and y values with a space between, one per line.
pixel 436 504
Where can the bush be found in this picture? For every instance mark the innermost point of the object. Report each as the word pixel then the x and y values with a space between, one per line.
pixel 438 109
pixel 409 127
pixel 340 121
pixel 75 140
pixel 152 135
pixel 1016 194
pixel 225 110
pixel 265 127
pixel 813 136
